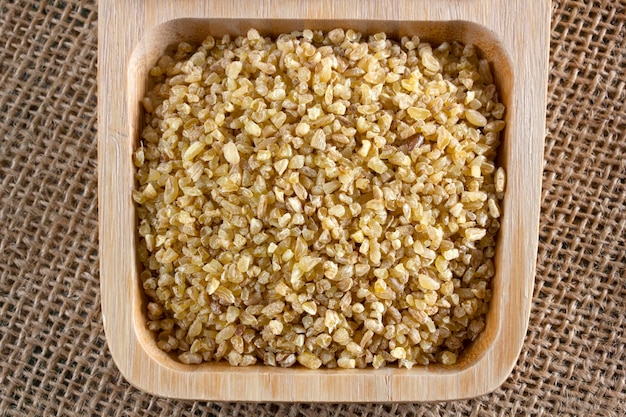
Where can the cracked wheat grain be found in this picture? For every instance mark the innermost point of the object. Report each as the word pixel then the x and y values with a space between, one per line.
pixel 321 199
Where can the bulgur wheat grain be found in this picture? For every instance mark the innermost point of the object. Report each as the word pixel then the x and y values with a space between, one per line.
pixel 322 199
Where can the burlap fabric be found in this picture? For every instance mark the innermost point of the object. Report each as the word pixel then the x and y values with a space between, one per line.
pixel 53 355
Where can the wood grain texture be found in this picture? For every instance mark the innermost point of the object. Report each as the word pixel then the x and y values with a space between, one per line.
pixel 513 35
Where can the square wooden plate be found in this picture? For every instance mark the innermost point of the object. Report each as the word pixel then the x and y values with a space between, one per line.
pixel 512 34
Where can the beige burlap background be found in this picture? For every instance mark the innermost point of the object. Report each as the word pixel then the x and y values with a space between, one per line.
pixel 53 355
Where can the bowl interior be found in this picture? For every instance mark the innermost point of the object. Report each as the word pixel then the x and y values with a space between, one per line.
pixel 193 31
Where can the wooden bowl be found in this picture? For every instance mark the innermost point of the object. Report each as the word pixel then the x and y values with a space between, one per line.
pixel 513 35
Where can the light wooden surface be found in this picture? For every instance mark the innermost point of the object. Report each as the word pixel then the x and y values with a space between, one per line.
pixel 133 33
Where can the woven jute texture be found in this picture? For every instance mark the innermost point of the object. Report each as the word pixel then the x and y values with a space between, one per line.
pixel 54 358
